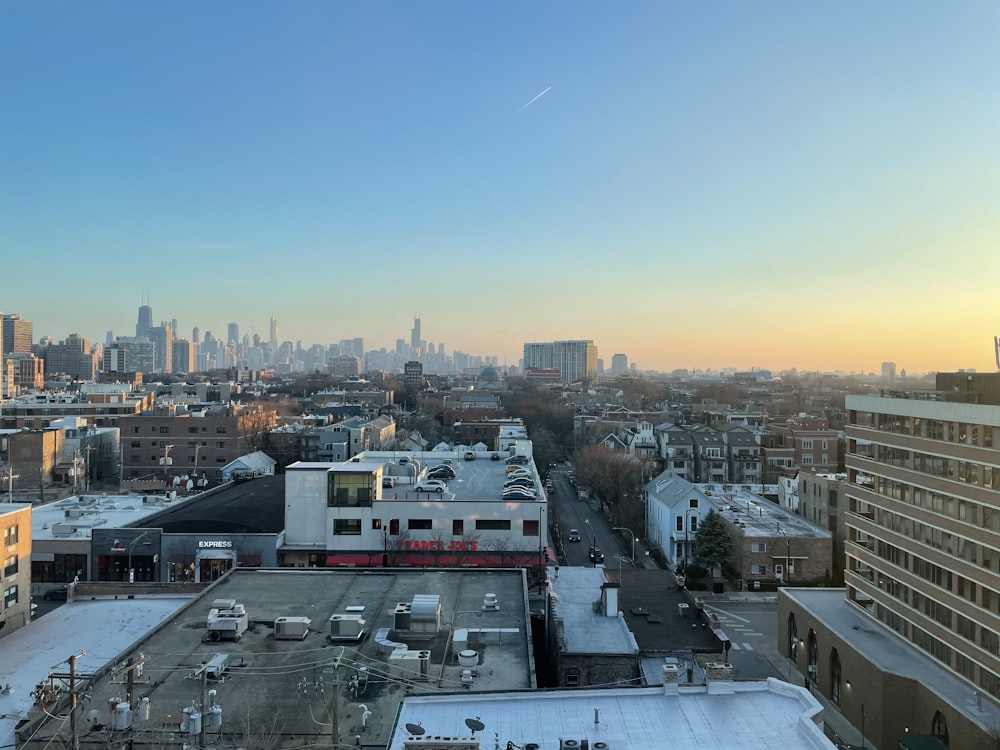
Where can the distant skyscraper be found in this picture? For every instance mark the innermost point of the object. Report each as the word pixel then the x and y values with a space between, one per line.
pixel 619 364
pixel 234 334
pixel 274 331
pixel 145 321
pixel 415 336
pixel 196 334
pixel 889 372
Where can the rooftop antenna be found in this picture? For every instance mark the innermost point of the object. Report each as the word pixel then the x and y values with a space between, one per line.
pixel 475 725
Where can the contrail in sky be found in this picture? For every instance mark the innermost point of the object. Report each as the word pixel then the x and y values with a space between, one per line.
pixel 535 99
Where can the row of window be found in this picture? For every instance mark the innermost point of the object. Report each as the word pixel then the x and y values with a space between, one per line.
pixel 934 429
pixel 10 566
pixel 352 526
pixel 169 430
pixel 948 580
pixel 939 650
pixel 136 458
pixel 982 515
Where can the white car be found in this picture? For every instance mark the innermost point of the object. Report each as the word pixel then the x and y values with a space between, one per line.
pixel 430 485
pixel 519 493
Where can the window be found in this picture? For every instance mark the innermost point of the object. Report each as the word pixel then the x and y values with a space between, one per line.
pixel 680 523
pixel 490 524
pixel 807 460
pixel 134 458
pixel 458 527
pixel 693 502
pixel 758 547
pixel 135 430
pixel 221 460
pixel 220 430
pixel 807 445
pixel 136 444
pixel 193 429
pixel 350 490
pixel 376 524
pixel 758 570
pixel 347 526
pixel 10 566
pixel 420 524
pixel 10 597
pixel 10 535
pixel 164 430
pixel 220 443
pixel 530 527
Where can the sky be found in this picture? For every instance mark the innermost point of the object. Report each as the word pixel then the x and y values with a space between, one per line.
pixel 727 184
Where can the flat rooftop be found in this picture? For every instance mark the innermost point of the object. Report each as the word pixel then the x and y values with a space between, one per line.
pixel 255 506
pixel 101 628
pixel 76 516
pixel 763 518
pixel 584 631
pixel 890 653
pixel 295 681
pixel 755 716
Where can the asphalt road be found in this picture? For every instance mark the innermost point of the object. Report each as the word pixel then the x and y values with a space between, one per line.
pixel 752 628
pixel 570 513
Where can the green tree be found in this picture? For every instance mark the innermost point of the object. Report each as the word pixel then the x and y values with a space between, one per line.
pixel 712 544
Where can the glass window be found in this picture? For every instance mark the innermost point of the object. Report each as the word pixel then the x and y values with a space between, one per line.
pixel 347 526
pixel 491 524
pixel 420 524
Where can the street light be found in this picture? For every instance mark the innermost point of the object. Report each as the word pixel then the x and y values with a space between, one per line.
pixel 131 575
pixel 590 540
pixel 622 528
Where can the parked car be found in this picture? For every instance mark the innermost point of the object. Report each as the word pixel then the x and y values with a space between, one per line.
pixel 519 459
pixel 494 456
pixel 389 482
pixel 57 594
pixel 430 485
pixel 441 472
pixel 519 495
pixel 574 535
pixel 596 555
pixel 470 455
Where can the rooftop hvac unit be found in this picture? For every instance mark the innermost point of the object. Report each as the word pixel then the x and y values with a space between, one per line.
pixel 345 627
pixel 569 744
pixel 425 614
pixel 401 617
pixel 291 628
pixel 229 622
pixel 599 745
pixel 412 665
pixel 217 666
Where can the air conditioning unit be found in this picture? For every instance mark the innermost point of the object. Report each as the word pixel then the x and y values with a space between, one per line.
pixel 411 665
pixel 347 627
pixel 291 628
pixel 216 668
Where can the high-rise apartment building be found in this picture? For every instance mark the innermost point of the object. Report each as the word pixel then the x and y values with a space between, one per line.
pixel 575 360
pixel 129 354
pixel 233 336
pixel 162 337
pixel 538 356
pixel 17 334
pixel 184 357
pixel 619 364
pixel 889 372
pixel 917 635
pixel 415 337
pixel 72 357
pixel 274 331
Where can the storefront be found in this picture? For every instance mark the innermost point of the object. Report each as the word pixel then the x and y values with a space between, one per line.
pixel 152 555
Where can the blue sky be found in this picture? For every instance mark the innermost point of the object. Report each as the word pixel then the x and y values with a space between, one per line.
pixel 726 184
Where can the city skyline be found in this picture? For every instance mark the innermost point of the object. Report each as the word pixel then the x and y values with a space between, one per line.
pixel 724 186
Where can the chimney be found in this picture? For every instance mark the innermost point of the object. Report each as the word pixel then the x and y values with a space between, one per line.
pixel 720 678
pixel 670 677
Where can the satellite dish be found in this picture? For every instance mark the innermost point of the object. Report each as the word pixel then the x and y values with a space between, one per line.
pixel 475 725
pixel 415 729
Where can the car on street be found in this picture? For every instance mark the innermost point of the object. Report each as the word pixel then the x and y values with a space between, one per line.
pixel 595 553
pixel 57 594
pixel 574 535
pixel 430 485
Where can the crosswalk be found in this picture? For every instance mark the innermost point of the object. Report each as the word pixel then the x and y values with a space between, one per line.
pixel 734 628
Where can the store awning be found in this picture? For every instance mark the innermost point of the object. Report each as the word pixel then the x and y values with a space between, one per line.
pixel 437 560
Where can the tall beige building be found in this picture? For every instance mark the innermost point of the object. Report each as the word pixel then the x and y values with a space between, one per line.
pixel 916 635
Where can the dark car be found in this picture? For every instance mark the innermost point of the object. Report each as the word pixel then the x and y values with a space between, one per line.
pixel 494 456
pixel 596 555
pixel 58 594
pixel 574 535
pixel 441 472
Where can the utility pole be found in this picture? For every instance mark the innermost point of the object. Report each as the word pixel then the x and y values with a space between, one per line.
pixel 72 677
pixel 335 708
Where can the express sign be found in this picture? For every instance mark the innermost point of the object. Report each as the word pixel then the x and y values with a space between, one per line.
pixel 215 544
